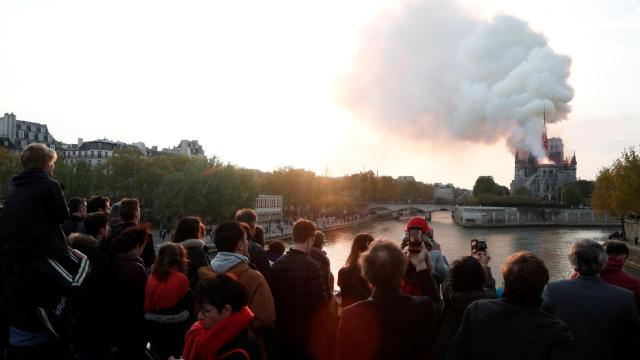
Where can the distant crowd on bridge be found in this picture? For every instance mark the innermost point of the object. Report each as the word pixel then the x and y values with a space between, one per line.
pixel 83 280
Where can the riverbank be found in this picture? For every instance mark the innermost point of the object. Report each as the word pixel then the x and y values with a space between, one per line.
pixel 286 234
pixel 483 216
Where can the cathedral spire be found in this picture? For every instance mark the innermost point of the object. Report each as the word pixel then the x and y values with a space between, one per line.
pixel 545 141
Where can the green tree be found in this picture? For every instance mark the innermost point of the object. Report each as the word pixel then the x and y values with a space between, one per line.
pixel 522 191
pixel 9 166
pixel 485 185
pixel 571 196
pixel 617 187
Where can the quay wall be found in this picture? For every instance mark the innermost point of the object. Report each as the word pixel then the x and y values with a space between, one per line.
pixel 479 216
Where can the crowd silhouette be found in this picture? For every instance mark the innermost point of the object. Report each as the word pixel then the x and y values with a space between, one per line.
pixel 83 280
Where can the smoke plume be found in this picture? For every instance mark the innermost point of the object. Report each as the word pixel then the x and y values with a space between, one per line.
pixel 426 69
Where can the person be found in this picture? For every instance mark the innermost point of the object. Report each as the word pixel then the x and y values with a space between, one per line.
pixel 439 263
pixel 603 318
pixel 232 257
pixel 525 331
pixel 257 254
pixel 77 210
pixel 37 259
pixel 114 216
pixel 258 235
pixel 353 286
pixel 189 232
pixel 298 287
pixel 167 301
pixel 389 325
pixel 222 329
pixel 128 283
pixel 130 217
pixel 321 258
pixel 91 337
pixel 419 278
pixel 465 284
pixel 275 251
pixel 99 203
pixel 617 253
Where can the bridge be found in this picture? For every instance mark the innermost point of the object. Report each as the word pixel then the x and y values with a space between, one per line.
pixel 384 208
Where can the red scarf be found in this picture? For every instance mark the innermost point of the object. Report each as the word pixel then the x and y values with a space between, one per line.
pixel 204 344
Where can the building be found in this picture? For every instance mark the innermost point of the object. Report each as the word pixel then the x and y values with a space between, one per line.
pixel 93 152
pixel 187 148
pixel 443 192
pixel 407 178
pixel 544 179
pixel 269 208
pixel 18 134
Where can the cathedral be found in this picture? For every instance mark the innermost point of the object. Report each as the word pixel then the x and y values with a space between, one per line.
pixel 544 180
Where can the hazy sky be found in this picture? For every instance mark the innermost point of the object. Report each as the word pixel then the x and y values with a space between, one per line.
pixel 255 81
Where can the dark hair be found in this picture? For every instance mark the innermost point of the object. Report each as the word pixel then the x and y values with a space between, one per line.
pixel 247 230
pixel 170 256
pixel 129 239
pixel 228 235
pixel 75 203
pixel 303 230
pixel 36 156
pixel 467 274
pixel 94 222
pixel 587 257
pixel 128 209
pixel 525 276
pixel 247 216
pixel 97 203
pixel 277 247
pixel 359 245
pixel 384 264
pixel 187 228
pixel 258 235
pixel 220 290
pixel 318 239
pixel 616 248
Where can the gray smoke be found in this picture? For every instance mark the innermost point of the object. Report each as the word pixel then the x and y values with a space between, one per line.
pixel 426 68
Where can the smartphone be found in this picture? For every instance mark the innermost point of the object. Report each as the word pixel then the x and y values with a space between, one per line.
pixel 478 245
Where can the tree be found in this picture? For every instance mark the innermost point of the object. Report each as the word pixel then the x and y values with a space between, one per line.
pixel 571 196
pixel 617 187
pixel 486 185
pixel 9 166
pixel 522 191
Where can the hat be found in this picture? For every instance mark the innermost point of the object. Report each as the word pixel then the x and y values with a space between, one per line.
pixel 418 222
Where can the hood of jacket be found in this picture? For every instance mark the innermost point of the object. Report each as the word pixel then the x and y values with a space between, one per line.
pixel 226 260
pixel 28 177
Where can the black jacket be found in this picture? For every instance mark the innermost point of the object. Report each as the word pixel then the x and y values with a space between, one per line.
pixel 321 258
pixel 353 286
pixel 33 213
pixel 258 257
pixel 148 253
pixel 389 325
pixel 502 329
pixel 602 317
pixel 242 347
pixel 298 288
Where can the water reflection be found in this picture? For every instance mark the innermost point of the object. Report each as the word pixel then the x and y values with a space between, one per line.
pixel 550 243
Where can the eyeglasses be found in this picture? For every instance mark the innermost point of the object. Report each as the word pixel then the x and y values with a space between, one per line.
pixel 205 312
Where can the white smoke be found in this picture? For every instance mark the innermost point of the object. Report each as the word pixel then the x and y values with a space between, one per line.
pixel 426 67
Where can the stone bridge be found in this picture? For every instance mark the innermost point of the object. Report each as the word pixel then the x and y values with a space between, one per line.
pixel 382 208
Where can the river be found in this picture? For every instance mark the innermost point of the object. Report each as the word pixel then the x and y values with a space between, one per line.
pixel 550 243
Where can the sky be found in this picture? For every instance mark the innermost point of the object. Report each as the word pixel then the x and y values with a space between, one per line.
pixel 257 83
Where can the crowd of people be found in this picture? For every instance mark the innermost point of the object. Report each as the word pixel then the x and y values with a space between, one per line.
pixel 83 280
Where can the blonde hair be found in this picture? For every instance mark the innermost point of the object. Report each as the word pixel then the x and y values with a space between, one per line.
pixel 36 156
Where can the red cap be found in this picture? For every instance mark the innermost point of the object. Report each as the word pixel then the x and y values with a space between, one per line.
pixel 418 222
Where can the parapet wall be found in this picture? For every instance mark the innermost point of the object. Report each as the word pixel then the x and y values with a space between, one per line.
pixel 478 216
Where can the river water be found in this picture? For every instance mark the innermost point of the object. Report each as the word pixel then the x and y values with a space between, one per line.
pixel 550 243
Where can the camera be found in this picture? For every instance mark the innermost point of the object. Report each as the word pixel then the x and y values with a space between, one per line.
pixel 413 240
pixel 478 245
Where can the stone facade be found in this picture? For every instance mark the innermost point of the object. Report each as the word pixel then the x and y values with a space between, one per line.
pixel 545 180
pixel 18 134
pixel 93 152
